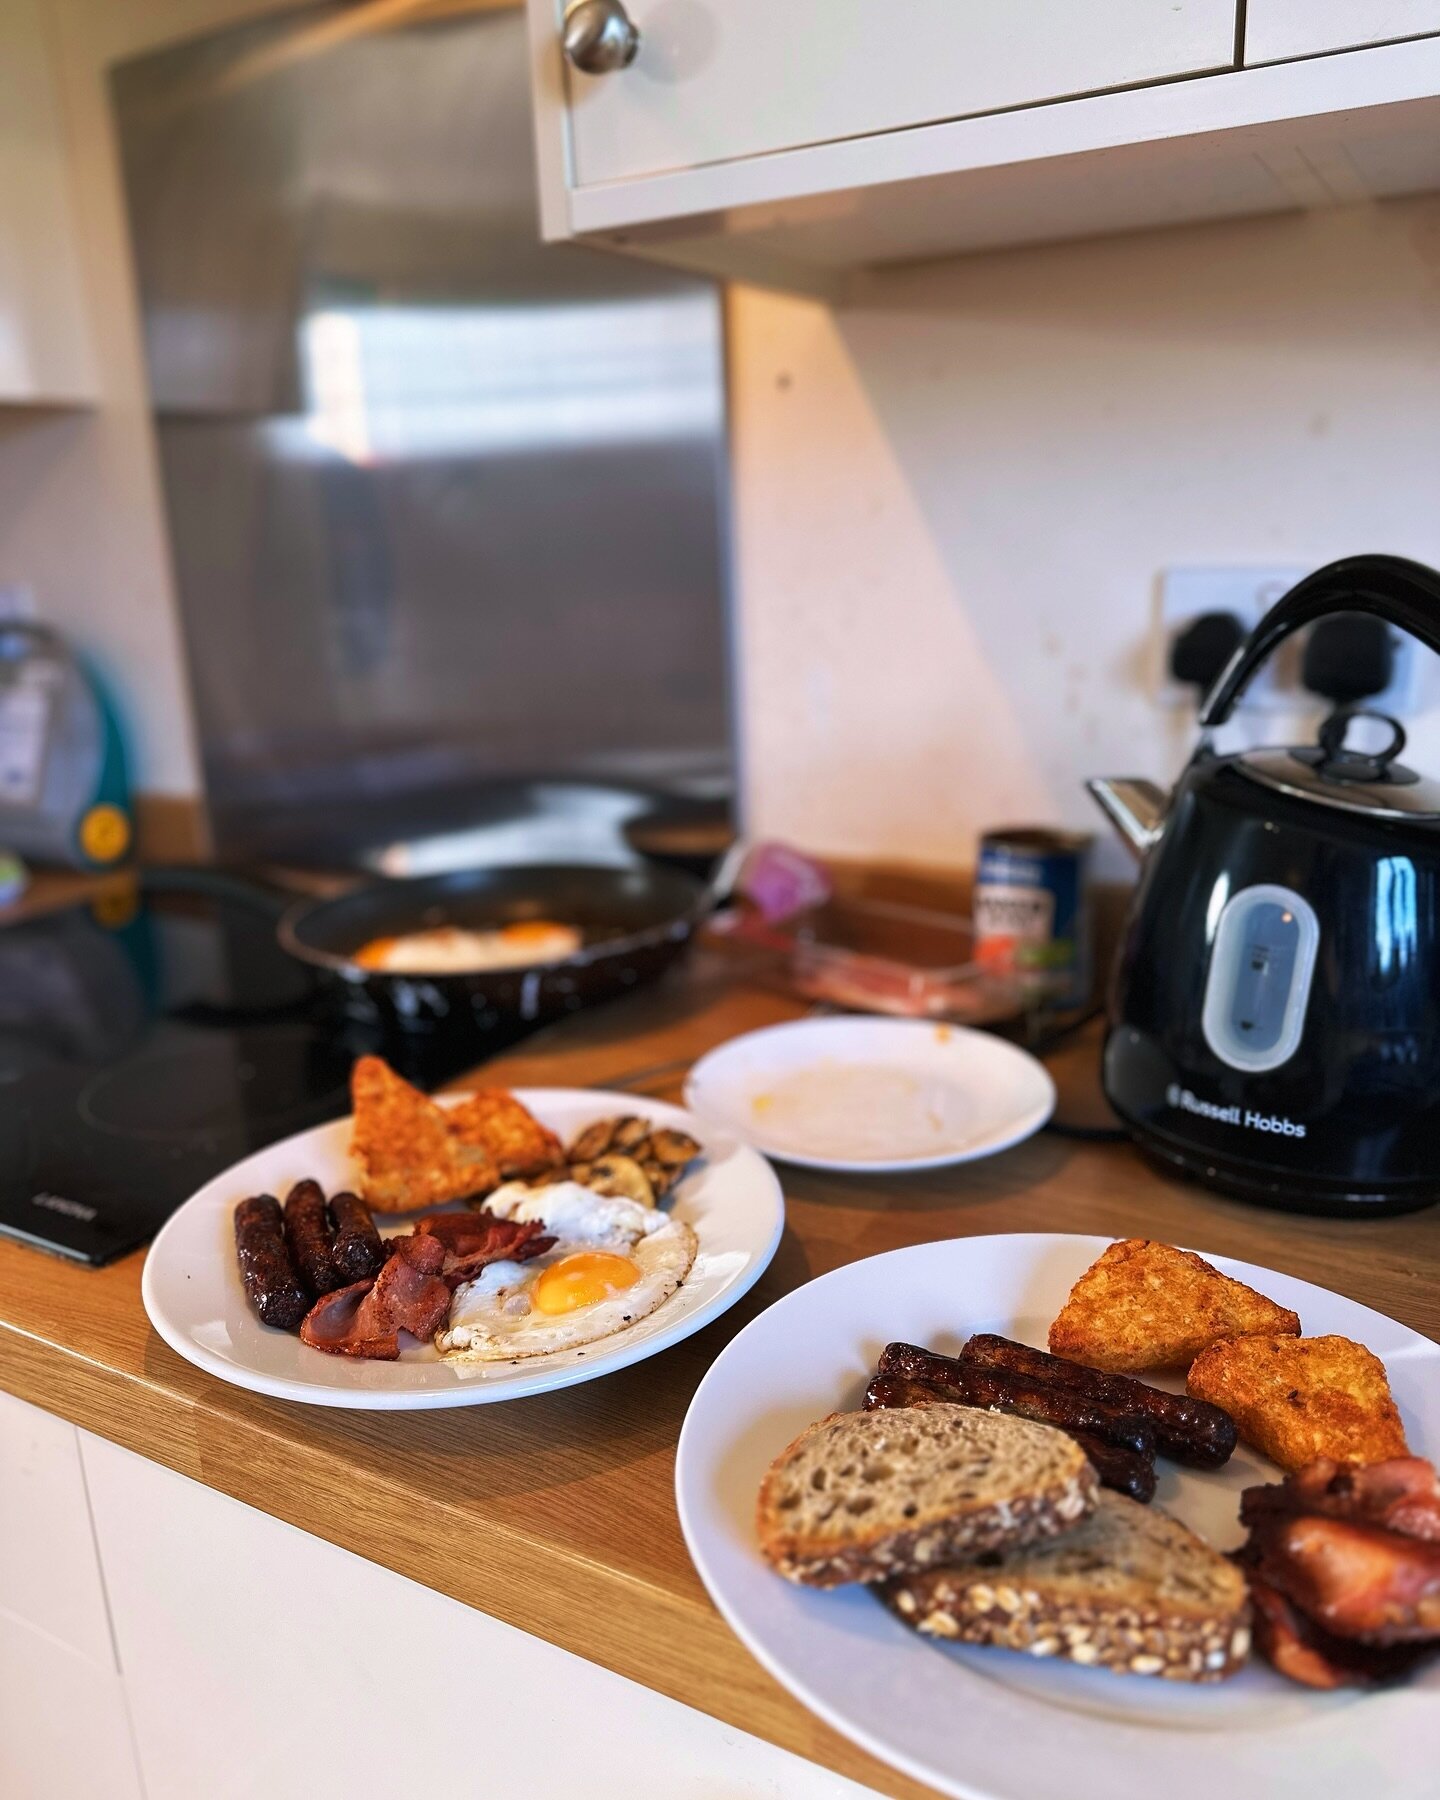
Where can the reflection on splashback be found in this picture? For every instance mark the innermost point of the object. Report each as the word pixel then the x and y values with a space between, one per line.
pixel 445 504
pixel 407 381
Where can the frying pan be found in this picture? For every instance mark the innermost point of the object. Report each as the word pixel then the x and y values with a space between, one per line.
pixel 634 920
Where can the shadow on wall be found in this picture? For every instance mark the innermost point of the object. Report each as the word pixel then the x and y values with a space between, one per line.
pixel 1028 439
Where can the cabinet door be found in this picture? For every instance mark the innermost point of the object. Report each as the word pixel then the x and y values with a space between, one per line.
pixel 44 335
pixel 1276 30
pixel 49 1572
pixel 261 1662
pixel 718 79
pixel 64 1733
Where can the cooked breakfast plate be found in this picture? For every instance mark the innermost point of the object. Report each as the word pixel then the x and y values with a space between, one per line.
pixel 872 1096
pixel 729 1200
pixel 993 1724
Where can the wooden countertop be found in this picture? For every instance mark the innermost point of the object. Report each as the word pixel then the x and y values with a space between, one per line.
pixel 556 1513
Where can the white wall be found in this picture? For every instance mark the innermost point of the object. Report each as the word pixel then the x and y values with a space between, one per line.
pixel 954 499
pixel 80 507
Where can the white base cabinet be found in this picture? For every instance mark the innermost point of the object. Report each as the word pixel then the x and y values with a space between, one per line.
pixel 64 1725
pixel 250 1660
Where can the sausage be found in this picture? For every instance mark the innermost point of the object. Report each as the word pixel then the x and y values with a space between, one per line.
pixel 271 1284
pixel 307 1232
pixel 969 1385
pixel 357 1251
pixel 1188 1431
pixel 1129 1472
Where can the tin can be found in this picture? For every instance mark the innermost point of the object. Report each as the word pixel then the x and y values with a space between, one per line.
pixel 1032 914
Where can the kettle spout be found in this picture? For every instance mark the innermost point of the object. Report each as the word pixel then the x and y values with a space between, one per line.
pixel 1135 808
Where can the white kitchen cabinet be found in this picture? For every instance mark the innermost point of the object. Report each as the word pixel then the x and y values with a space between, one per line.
pixel 45 351
pixel 719 79
pixel 64 1734
pixel 802 145
pixel 49 1572
pixel 64 1729
pixel 261 1661
pixel 1277 29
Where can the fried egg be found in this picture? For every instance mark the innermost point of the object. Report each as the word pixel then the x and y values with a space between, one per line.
pixel 614 1263
pixel 455 950
pixel 571 1211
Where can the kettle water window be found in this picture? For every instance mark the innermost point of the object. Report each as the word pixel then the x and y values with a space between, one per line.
pixel 1259 981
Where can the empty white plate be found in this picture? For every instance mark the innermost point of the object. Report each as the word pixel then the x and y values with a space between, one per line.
pixel 872 1095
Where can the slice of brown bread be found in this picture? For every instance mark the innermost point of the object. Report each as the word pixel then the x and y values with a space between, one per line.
pixel 862 1496
pixel 1129 1589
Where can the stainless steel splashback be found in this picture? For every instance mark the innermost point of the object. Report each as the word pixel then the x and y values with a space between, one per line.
pixel 446 505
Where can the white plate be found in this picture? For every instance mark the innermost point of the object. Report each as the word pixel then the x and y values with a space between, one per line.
pixel 872 1095
pixel 995 1724
pixel 192 1290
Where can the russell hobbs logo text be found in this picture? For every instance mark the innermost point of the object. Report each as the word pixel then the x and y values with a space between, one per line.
pixel 1184 1101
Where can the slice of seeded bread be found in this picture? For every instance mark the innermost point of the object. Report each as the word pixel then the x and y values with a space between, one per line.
pixel 1129 1589
pixel 863 1496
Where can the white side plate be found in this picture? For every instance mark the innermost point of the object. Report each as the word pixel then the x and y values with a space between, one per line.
pixel 872 1095
pixel 192 1290
pixel 995 1724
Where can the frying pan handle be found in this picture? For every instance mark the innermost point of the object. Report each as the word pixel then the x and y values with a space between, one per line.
pixel 219 884
pixel 1404 594
pixel 721 885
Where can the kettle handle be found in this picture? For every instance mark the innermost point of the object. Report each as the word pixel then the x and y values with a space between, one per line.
pixel 1404 594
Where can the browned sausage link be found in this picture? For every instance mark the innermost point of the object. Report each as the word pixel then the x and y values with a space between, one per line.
pixel 1189 1431
pixel 357 1251
pixel 271 1284
pixel 307 1232
pixel 1127 1471
pixel 972 1386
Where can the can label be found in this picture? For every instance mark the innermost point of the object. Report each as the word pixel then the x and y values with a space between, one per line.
pixel 1031 919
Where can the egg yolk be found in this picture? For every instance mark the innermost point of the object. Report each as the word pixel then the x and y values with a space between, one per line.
pixel 581 1280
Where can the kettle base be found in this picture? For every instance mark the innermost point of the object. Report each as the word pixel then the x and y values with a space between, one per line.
pixel 1283 1196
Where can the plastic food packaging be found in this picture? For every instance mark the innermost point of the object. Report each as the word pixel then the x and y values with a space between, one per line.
pixel 885 957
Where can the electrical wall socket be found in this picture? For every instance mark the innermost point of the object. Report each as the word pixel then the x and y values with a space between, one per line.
pixel 1187 593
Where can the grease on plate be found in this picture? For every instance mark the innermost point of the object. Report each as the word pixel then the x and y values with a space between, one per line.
pixel 863 1111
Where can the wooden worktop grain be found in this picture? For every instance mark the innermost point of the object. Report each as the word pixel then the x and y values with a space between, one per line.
pixel 556 1513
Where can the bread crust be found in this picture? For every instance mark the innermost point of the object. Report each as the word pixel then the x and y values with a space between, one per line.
pixel 1136 1640
pixel 1132 1590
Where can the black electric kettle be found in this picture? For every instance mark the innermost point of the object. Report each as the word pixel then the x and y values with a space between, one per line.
pixel 1275 1010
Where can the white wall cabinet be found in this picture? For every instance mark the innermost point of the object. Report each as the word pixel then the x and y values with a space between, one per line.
pixel 45 350
pixel 798 145
pixel 1276 29
pixel 718 79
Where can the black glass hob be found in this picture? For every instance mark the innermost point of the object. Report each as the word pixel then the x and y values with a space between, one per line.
pixel 155 1035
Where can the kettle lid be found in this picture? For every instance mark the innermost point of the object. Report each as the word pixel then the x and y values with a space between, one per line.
pixel 1356 781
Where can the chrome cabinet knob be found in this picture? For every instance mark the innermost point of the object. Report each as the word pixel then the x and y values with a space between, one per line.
pixel 599 37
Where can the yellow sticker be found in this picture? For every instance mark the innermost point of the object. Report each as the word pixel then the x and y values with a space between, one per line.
pixel 105 833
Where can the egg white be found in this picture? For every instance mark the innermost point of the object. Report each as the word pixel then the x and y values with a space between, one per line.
pixel 578 1215
pixel 492 1319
